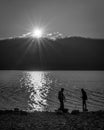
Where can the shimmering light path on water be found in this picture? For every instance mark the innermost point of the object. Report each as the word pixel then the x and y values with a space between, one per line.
pixel 37 85
pixel 38 90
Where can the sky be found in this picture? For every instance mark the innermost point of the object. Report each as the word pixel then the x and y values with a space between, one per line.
pixel 69 17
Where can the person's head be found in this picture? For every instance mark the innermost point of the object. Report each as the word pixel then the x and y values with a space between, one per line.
pixel 62 89
pixel 82 90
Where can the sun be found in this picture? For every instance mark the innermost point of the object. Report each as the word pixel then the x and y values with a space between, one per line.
pixel 37 33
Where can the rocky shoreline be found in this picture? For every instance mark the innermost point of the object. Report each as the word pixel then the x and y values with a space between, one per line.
pixel 52 121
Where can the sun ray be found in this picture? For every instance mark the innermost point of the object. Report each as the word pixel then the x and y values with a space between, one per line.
pixel 29 44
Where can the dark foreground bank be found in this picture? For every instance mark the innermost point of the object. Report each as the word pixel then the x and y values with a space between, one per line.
pixel 52 121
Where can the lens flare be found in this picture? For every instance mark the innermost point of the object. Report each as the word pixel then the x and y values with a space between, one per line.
pixel 37 33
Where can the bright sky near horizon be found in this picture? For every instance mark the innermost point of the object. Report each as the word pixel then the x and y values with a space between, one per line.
pixel 70 17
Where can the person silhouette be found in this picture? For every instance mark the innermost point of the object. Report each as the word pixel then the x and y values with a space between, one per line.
pixel 61 98
pixel 84 98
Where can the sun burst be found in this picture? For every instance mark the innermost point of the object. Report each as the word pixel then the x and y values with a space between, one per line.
pixel 37 33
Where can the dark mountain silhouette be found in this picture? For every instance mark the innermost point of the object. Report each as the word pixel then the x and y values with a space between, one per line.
pixel 74 53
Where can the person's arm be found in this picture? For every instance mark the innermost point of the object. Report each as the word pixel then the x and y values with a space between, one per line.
pixel 64 97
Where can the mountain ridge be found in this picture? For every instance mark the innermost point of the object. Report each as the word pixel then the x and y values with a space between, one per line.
pixel 69 53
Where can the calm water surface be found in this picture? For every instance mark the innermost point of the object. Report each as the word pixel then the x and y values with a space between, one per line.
pixel 37 90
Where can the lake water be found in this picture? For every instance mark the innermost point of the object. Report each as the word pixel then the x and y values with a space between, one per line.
pixel 38 90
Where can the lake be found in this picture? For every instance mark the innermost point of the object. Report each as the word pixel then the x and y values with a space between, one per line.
pixel 38 90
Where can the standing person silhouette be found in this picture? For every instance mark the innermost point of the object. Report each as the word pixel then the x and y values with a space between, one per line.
pixel 84 98
pixel 61 98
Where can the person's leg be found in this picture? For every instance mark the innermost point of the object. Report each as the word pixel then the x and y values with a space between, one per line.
pixel 62 105
pixel 83 106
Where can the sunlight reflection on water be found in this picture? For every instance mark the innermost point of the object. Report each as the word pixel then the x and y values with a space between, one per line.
pixel 38 85
pixel 38 90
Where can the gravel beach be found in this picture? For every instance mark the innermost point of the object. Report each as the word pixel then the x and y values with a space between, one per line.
pixel 52 121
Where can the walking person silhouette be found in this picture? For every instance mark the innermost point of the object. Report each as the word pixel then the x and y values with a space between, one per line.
pixel 84 98
pixel 61 98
